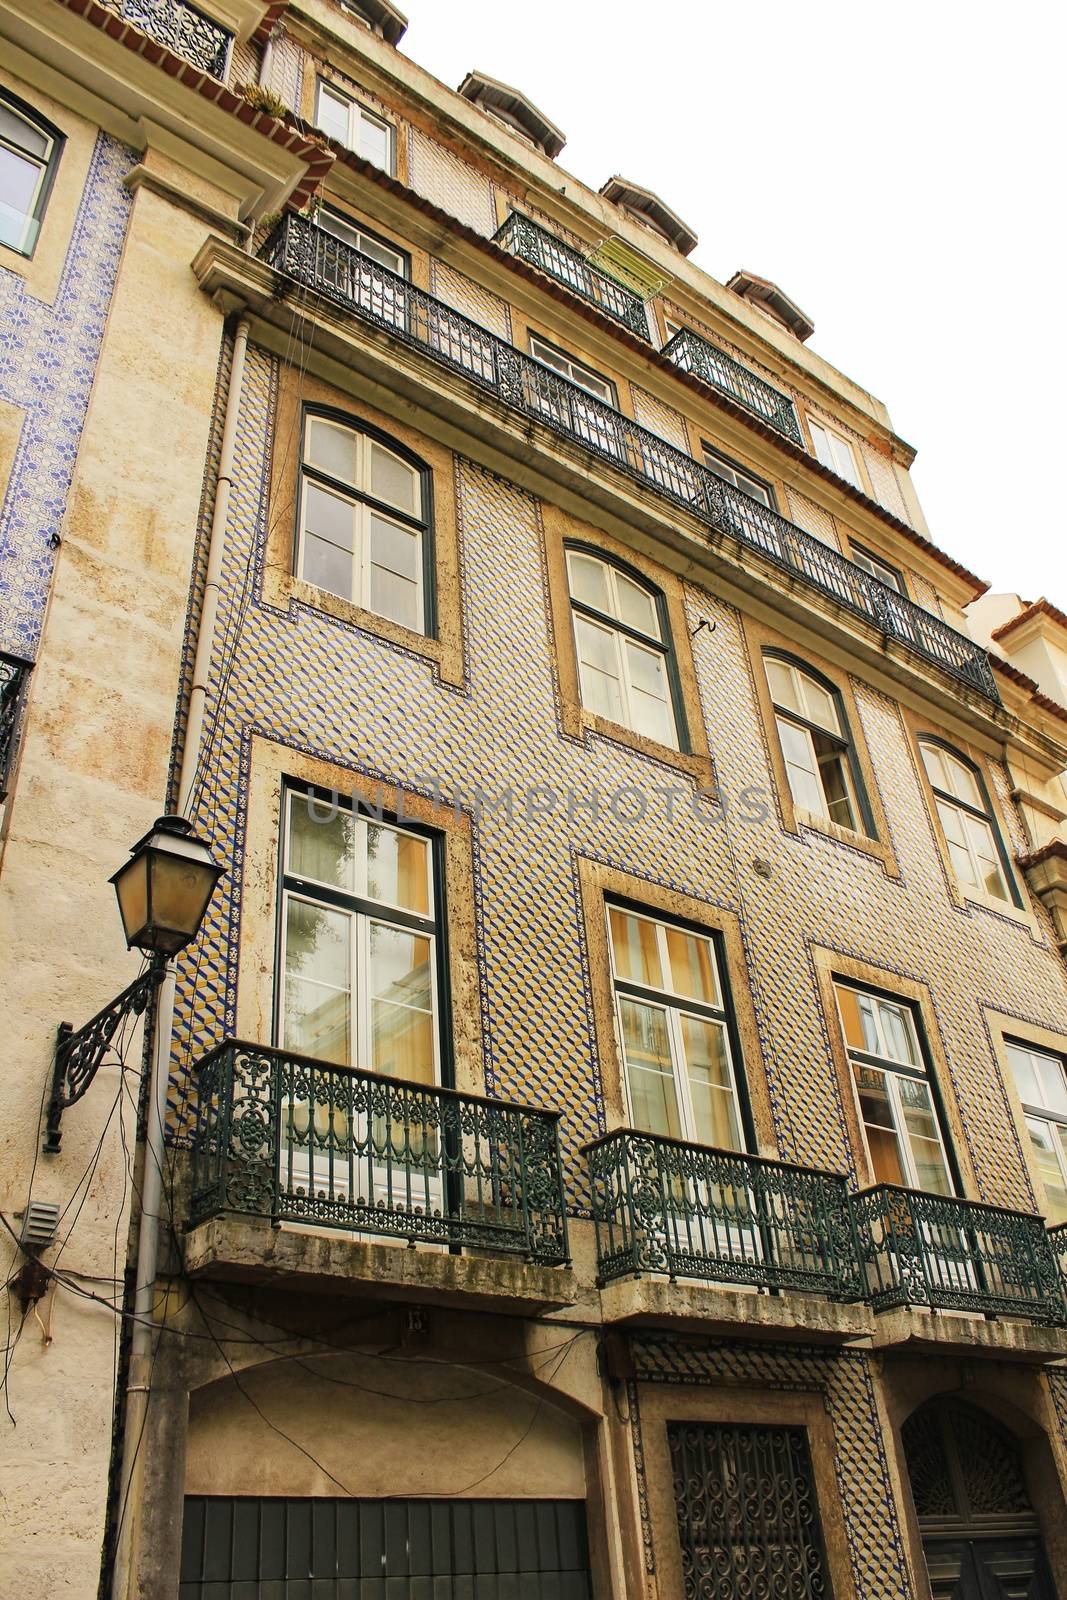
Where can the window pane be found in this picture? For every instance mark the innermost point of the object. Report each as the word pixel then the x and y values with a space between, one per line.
pixel 784 688
pixel 650 697
pixel 1047 1149
pixel 934 762
pixel 374 142
pixel 394 576
pixel 317 1008
pixel 635 948
pixel 715 1118
pixel 692 966
pixel 646 1047
pixel 1024 1066
pixel 956 838
pixel 980 837
pixel 337 225
pixel 637 608
pixel 898 1032
pixel 821 440
pixel 326 567
pixel 1050 1071
pixel 836 782
pixel 321 846
pixel 333 449
pixel 400 987
pixel 920 1124
pixel 393 480
pixel 390 259
pixel 819 706
pixel 589 581
pixel 962 782
pixel 805 784
pixel 857 1020
pixel 878 1126
pixel 398 869
pixel 17 131
pixel 844 460
pixel 333 115
pixel 598 665
pixel 328 516
pixel 18 185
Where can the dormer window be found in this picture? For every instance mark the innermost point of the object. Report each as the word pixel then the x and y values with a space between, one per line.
pixel 378 15
pixel 513 111
pixel 651 213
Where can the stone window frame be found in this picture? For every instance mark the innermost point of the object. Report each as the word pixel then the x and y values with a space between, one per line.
pixel 600 886
pixel 1005 1029
pixel 831 966
pixel 663 1403
pixel 299 393
pixel 561 531
pixel 274 767
pixel 761 639
pixel 840 737
pixel 989 816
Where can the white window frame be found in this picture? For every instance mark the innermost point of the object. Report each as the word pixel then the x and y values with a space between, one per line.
pixel 1054 1122
pixel 33 216
pixel 833 450
pixel 807 725
pixel 877 568
pixel 363 912
pixel 754 487
pixel 971 817
pixel 675 1007
pixel 364 506
pixel 892 1070
pixel 358 114
pixel 621 635
pixel 602 389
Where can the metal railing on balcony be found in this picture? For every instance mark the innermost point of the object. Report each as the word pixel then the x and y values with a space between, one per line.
pixel 299 1140
pixel 198 39
pixel 691 353
pixel 663 1206
pixel 319 261
pixel 933 1250
pixel 14 676
pixel 541 249
pixel 1057 1238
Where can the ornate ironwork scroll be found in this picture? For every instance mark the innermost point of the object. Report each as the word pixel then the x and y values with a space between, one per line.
pixel 705 360
pixel 661 1205
pixel 312 257
pixel 959 1255
pixel 295 1139
pixel 747 1516
pixel 198 39
pixel 525 239
pixel 79 1056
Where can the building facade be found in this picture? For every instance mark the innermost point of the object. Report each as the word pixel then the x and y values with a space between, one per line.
pixel 616 1109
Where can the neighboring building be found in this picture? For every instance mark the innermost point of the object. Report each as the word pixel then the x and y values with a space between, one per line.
pixel 617 1099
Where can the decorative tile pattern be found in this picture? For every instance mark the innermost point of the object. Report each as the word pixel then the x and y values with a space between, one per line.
pixel 812 518
pixel 287 71
pixel 451 183
pixel 884 482
pixel 879 1568
pixel 664 420
pixel 47 362
pixel 469 298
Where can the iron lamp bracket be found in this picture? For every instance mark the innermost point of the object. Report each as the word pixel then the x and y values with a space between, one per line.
pixel 79 1055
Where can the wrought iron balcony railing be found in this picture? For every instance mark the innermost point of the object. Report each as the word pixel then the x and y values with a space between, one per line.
pixel 955 1255
pixel 14 676
pixel 664 1206
pixel 704 360
pixel 198 39
pixel 534 244
pixel 317 260
pixel 1057 1238
pixel 298 1140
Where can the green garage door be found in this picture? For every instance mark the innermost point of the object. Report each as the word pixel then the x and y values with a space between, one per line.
pixel 249 1549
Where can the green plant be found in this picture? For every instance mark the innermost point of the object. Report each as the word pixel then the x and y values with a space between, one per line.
pixel 254 94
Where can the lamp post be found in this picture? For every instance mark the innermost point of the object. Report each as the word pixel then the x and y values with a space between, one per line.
pixel 163 893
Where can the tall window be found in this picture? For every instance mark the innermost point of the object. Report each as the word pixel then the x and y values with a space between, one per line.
pixel 29 153
pixel 364 521
pixel 816 746
pixel 680 1075
pixel 353 125
pixel 896 1106
pixel 358 984
pixel 974 844
pixel 623 648
pixel 1041 1080
pixel 835 452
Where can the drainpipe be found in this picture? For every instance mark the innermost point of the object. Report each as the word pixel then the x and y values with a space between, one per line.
pixel 152 1199
pixel 266 60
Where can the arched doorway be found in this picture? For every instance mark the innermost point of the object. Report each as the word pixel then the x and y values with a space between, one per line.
pixel 979 1529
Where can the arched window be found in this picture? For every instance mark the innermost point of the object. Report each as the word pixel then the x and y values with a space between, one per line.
pixel 364 521
pixel 29 154
pixel 625 659
pixel 816 745
pixel 975 846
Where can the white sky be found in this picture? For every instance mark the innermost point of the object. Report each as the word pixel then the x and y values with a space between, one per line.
pixel 898 169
